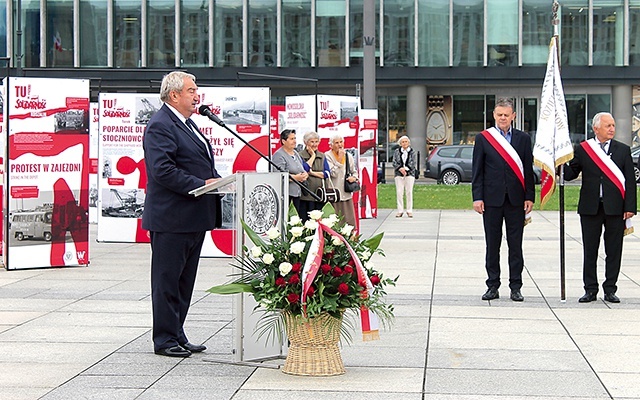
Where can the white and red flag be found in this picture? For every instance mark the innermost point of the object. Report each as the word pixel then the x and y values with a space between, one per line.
pixel 553 144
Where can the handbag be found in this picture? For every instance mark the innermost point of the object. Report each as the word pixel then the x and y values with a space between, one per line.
pixel 349 187
pixel 330 195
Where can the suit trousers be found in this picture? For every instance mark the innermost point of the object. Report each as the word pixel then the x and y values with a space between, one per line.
pixel 613 237
pixel 174 265
pixel 404 186
pixel 513 217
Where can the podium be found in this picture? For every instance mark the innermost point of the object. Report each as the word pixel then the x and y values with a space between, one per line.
pixel 261 200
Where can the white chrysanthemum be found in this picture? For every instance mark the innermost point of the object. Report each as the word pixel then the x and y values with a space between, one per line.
pixel 285 268
pixel 268 258
pixel 295 220
pixel 346 230
pixel 273 233
pixel 336 241
pixel 296 231
pixel 315 214
pixel 256 251
pixel 311 225
pixel 297 247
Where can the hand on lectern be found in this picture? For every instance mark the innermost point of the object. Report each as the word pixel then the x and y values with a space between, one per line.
pixel 211 180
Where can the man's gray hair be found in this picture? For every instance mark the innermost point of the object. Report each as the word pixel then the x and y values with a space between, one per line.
pixel 310 136
pixel 504 102
pixel 596 118
pixel 173 81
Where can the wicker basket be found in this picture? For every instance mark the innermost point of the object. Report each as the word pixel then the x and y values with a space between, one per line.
pixel 313 347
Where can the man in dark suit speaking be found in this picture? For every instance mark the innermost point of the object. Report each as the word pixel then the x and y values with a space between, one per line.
pixel 178 159
pixel 503 190
pixel 607 198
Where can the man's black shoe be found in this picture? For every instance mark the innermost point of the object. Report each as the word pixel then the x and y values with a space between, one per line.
pixel 611 298
pixel 588 297
pixel 175 351
pixel 194 348
pixel 491 294
pixel 516 295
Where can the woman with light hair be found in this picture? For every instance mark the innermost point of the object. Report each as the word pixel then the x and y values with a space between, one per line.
pixel 337 158
pixel 404 170
pixel 287 159
pixel 317 167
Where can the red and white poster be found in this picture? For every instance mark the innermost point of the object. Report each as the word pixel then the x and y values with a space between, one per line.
pixel 277 125
pixel 368 119
pixel 47 173
pixel 122 178
pixel 94 133
pixel 2 152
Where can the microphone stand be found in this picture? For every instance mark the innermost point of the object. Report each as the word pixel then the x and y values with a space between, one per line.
pixel 258 152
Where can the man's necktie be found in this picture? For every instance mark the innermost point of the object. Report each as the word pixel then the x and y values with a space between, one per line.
pixel 602 146
pixel 191 125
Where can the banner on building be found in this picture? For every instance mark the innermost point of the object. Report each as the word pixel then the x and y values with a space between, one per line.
pixel 47 173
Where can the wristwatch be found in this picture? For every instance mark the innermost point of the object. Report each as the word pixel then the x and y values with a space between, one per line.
pixel 437 124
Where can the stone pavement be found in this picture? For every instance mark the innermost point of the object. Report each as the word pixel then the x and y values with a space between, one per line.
pixel 84 333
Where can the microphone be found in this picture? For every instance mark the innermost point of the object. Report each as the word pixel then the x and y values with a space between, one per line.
pixel 206 111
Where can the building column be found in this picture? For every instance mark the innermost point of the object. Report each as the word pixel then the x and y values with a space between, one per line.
pixel 622 110
pixel 417 120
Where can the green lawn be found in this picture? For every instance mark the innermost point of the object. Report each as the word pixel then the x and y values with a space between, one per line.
pixel 441 197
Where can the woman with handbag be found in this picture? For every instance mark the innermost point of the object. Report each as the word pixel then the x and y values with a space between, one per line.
pixel 404 170
pixel 343 176
pixel 288 160
pixel 317 167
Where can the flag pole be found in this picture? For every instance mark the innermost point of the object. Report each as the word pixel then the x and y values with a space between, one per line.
pixel 563 297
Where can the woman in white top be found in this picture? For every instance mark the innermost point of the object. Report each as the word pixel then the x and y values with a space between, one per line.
pixel 336 158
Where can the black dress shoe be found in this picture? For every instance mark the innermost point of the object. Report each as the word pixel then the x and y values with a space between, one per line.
pixel 611 298
pixel 175 351
pixel 194 348
pixel 516 295
pixel 588 297
pixel 491 294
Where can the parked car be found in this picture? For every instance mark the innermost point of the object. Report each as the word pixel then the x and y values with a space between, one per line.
pixel 635 153
pixel 451 164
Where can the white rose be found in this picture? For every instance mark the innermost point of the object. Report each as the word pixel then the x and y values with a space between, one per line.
pixel 346 230
pixel 328 222
pixel 256 251
pixel 369 265
pixel 285 268
pixel 296 231
pixel 311 225
pixel 365 255
pixel 334 218
pixel 336 241
pixel 273 233
pixel 315 214
pixel 297 247
pixel 295 220
pixel 268 258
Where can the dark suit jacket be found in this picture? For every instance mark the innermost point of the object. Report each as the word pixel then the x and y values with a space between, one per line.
pixel 176 162
pixel 592 176
pixel 492 177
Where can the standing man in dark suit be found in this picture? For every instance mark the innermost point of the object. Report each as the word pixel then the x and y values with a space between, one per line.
pixel 607 198
pixel 503 190
pixel 178 159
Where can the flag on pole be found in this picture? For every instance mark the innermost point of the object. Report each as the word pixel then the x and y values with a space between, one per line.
pixel 553 144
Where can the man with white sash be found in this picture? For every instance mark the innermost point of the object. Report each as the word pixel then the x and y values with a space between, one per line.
pixel 503 190
pixel 607 198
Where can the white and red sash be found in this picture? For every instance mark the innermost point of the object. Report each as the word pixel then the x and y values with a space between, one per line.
pixel 506 151
pixel 606 165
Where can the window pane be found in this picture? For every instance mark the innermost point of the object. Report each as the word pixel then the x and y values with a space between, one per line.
pixel 59 34
pixel 634 32
pixel 126 35
pixel 574 32
pixel 576 117
pixel 161 26
pixel 468 32
pixel 433 33
pixel 262 33
pixel 468 118
pixel 608 32
pixel 398 33
pixel 227 25
pixel 502 32
pixel 296 30
pixel 30 34
pixel 596 103
pixel 536 31
pixel 356 50
pixel 3 29
pixel 194 38
pixel 330 28
pixel 93 33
